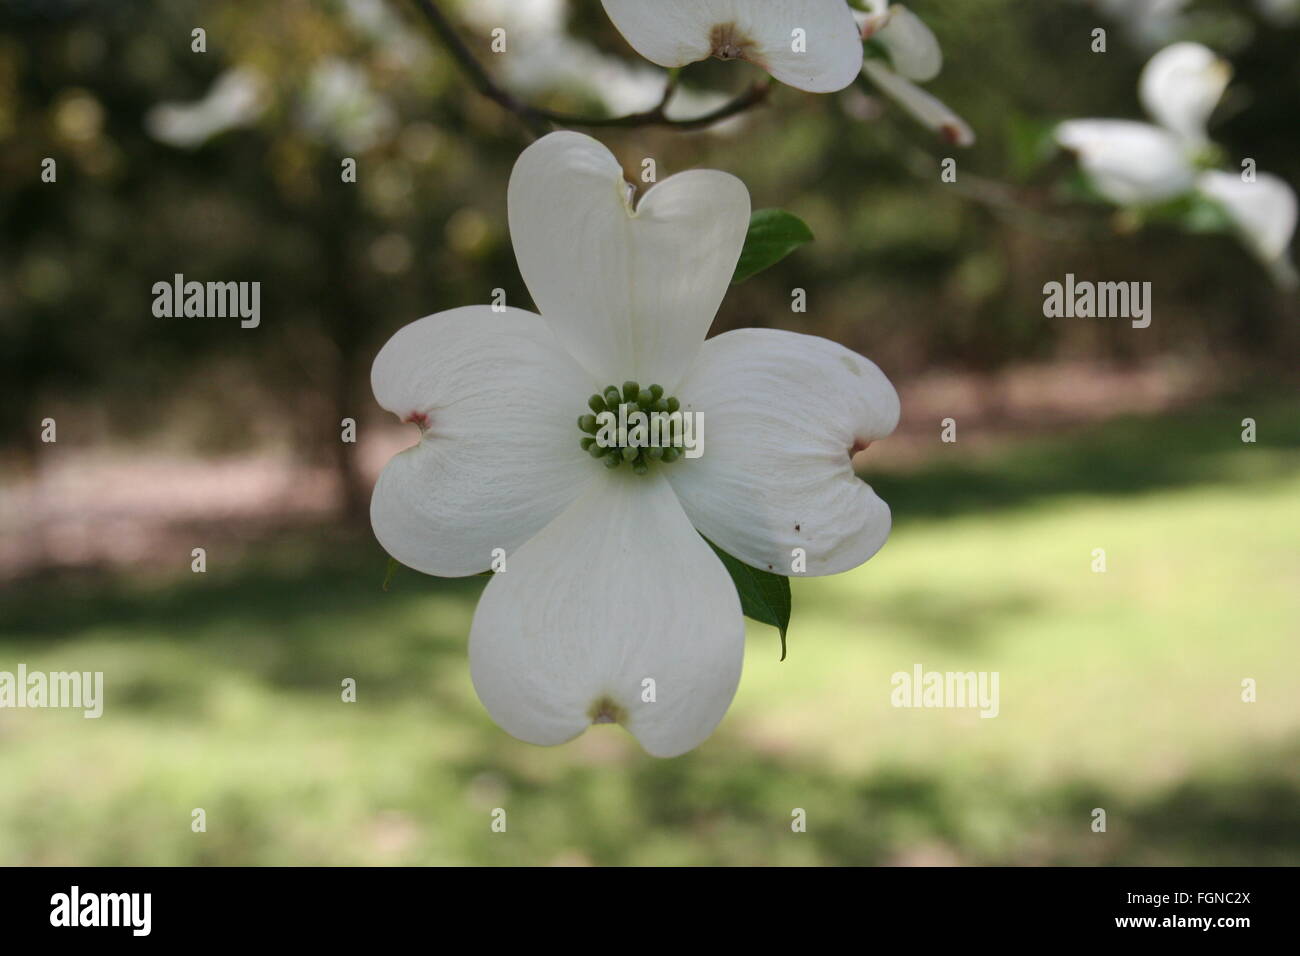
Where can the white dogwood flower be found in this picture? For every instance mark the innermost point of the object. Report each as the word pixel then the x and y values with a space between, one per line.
pixel 914 57
pixel 1131 163
pixel 611 606
pixel 812 45
pixel 1135 163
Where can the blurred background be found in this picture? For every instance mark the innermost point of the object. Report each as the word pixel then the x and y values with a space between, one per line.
pixel 1119 690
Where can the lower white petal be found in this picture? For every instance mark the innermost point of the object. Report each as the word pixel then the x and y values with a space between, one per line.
pixel 1129 163
pixel 812 45
pixel 1264 212
pixel 782 415
pixel 617 600
pixel 497 401
pixel 923 107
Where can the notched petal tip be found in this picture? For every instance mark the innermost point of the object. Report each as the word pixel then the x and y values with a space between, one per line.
pixel 420 419
pixel 727 42
pixel 606 710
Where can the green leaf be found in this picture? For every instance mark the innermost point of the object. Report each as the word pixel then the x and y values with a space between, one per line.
pixel 1205 216
pixel 773 235
pixel 764 596
pixel 393 565
pixel 1031 143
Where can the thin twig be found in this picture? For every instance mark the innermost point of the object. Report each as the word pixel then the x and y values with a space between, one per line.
pixel 537 118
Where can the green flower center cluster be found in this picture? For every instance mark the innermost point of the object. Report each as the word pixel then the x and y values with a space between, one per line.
pixel 607 436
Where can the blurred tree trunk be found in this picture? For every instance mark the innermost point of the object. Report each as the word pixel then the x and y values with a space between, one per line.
pixel 341 310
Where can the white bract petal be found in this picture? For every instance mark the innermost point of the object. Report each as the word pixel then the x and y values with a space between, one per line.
pixel 785 412
pixel 913 48
pixel 923 107
pixel 1181 86
pixel 629 291
pixel 1264 212
pixel 618 591
pixel 812 45
pixel 1129 163
pixel 498 457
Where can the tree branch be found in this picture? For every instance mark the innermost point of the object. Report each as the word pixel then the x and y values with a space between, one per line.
pixel 537 118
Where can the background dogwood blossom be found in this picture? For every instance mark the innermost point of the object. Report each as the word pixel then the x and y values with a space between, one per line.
pixel 807 44
pixel 1138 164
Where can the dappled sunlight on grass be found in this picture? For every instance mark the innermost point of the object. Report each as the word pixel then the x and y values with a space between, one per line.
pixel 1118 690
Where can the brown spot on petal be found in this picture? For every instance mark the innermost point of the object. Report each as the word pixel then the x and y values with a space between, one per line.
pixel 726 42
pixel 606 711
pixel 953 135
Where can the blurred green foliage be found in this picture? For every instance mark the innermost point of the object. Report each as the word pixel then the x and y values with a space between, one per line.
pixel 906 269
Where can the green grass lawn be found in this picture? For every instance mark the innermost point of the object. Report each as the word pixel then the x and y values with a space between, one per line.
pixel 1119 690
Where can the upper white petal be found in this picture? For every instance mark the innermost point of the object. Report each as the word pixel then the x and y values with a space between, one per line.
pixel 499 457
pixel 677 32
pixel 782 413
pixel 913 48
pixel 618 590
pixel 926 109
pixel 630 292
pixel 1129 163
pixel 1265 213
pixel 1180 87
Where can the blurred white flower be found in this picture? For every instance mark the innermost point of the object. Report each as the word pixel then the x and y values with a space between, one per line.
pixel 236 98
pixel 1149 23
pixel 1284 13
pixel 607 583
pixel 544 56
pixel 914 57
pixel 340 106
pixel 1131 163
pixel 378 21
pixel 1264 214
pixel 812 45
